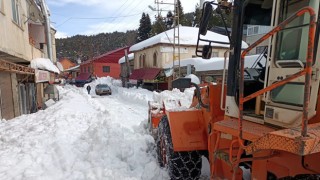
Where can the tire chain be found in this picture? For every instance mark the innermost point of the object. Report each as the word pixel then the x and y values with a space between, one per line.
pixel 181 165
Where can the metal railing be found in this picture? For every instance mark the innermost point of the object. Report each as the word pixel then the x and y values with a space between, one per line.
pixel 12 67
pixel 307 71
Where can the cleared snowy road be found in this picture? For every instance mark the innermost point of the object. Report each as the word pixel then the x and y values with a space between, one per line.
pixel 81 137
pixel 85 137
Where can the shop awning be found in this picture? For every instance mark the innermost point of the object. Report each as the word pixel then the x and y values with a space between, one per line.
pixel 145 73
pixel 83 77
pixel 136 74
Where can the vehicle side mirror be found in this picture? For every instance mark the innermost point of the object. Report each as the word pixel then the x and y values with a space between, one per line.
pixel 181 83
pixel 206 52
pixel 205 17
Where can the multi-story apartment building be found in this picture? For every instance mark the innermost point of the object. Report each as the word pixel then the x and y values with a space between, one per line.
pixel 22 39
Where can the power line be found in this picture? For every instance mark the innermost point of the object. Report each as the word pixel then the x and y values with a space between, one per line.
pixel 95 18
pixel 130 11
pixel 137 4
pixel 116 11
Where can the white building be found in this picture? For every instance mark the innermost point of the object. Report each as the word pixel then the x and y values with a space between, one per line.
pixel 23 38
pixel 155 52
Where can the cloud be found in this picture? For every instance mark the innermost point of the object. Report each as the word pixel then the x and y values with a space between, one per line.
pixel 80 2
pixel 61 34
pixel 108 27
pixel 188 5
pixel 73 16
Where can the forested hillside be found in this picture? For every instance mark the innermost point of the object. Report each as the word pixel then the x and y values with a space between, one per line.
pixel 86 47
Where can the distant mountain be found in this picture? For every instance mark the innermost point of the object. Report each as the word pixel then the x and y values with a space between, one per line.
pixel 86 47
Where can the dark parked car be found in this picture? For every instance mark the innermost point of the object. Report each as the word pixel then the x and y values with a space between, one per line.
pixel 103 89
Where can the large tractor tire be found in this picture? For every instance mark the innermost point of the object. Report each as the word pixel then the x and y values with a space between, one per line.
pixel 180 165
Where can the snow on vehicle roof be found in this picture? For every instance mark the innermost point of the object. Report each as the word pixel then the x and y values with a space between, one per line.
pixel 130 56
pixel 44 64
pixel 215 63
pixel 188 36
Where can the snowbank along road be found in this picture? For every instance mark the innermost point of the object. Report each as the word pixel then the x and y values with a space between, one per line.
pixel 83 137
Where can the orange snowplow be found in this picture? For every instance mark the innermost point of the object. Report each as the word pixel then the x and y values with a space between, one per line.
pixel 266 118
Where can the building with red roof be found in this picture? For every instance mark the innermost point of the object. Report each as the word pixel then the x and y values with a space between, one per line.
pixel 105 64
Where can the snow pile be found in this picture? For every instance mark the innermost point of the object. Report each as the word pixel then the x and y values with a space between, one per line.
pixel 174 99
pixel 123 59
pixel 132 95
pixel 215 63
pixel 81 137
pixel 44 64
pixel 86 136
pixel 187 35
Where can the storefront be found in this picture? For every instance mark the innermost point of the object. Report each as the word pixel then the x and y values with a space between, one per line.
pixel 17 90
pixel 46 73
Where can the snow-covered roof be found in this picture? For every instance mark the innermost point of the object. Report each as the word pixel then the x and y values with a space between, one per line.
pixel 188 36
pixel 123 59
pixel 215 63
pixel 45 64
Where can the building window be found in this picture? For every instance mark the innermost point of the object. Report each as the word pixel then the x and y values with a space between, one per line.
pixel 155 59
pixel 15 11
pixel 215 54
pixel 106 69
pixel 143 60
pixel 140 61
pixel 253 30
pixel 89 69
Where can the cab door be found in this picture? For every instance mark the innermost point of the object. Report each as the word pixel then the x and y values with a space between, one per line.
pixel 284 104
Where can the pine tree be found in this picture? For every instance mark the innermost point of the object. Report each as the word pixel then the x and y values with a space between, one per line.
pixel 215 19
pixel 182 19
pixel 144 31
pixel 196 16
pixel 158 26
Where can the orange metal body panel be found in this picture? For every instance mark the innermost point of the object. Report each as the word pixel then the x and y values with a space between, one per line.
pixel 284 164
pixel 316 118
pixel 289 140
pixel 187 130
pixel 251 131
pixel 215 114
pixel 155 119
pixel 225 171
pixel 267 138
pixel 219 157
pixel 276 151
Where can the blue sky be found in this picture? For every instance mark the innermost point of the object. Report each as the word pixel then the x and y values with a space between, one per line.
pixel 88 17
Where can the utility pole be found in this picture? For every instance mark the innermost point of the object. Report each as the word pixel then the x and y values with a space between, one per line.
pixel 177 19
pixel 176 33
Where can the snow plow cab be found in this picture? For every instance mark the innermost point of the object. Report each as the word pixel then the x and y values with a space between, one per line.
pixel 266 118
